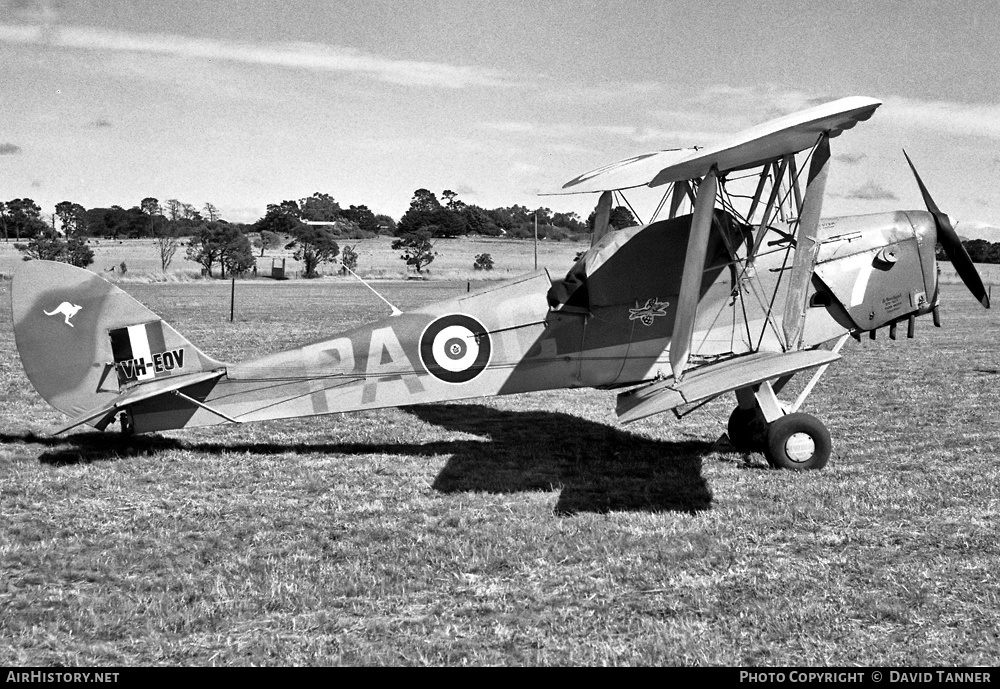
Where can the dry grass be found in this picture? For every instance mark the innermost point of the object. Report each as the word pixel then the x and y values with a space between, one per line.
pixel 454 260
pixel 521 530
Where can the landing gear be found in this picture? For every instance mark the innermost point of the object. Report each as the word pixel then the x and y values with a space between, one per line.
pixel 794 441
pixel 747 429
pixel 127 426
pixel 788 438
pixel 799 442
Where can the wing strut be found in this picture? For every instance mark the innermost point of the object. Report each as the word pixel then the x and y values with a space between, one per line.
pixel 806 246
pixel 694 269
pixel 682 190
pixel 779 171
pixel 602 217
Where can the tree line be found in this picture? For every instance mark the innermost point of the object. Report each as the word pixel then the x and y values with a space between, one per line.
pixel 310 227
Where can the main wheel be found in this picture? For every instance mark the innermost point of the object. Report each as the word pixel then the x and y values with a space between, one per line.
pixel 798 441
pixel 747 429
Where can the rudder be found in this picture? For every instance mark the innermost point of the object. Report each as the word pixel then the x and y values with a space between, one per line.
pixel 83 341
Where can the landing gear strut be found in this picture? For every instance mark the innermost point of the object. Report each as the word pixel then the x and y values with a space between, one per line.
pixel 747 429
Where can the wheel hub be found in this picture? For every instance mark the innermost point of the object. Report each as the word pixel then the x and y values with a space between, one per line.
pixel 800 447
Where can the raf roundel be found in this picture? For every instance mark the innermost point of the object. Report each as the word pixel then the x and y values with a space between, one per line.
pixel 455 348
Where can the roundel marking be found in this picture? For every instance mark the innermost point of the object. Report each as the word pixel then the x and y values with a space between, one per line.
pixel 455 348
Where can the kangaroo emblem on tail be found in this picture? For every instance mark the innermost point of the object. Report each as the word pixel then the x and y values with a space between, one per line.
pixel 66 309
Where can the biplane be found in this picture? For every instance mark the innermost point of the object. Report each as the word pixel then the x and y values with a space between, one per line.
pixel 721 294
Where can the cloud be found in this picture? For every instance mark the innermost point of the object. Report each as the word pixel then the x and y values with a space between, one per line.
pixel 653 137
pixel 850 158
pixel 871 191
pixel 302 56
pixel 100 124
pixel 8 149
pixel 978 230
pixel 979 119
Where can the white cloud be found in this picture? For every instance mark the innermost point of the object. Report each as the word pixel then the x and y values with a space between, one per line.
pixel 871 191
pixel 305 56
pixel 978 119
pixel 850 158
pixel 653 137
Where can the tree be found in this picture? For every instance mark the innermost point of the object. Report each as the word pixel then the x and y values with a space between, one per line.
pixel 426 211
pixel 189 212
pixel 417 248
pixel 24 217
pixel 72 218
pixel 483 262
pixel 204 249
pixel 571 221
pixel 221 243
pixel 173 209
pixel 151 208
pixel 48 246
pixel 313 245
pixel 237 255
pixel 280 218
pixel 424 201
pixel 113 222
pixel 384 224
pixel 349 259
pixel 319 207
pixel 620 218
pixel 167 242
pixel 452 200
pixel 78 253
pixel 266 240
pixel 477 221
pixel 362 217
pixel 141 225
pixel 45 246
pixel 211 211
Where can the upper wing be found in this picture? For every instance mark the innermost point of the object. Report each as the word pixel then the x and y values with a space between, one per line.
pixel 750 148
pixel 636 171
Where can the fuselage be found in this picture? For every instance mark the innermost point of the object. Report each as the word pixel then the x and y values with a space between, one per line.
pixel 607 324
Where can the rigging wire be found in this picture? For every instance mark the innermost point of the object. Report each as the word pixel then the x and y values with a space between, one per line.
pixel 635 215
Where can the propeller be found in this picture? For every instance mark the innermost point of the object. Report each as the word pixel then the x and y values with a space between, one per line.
pixel 949 239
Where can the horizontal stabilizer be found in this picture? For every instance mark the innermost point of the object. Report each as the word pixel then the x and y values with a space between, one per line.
pixel 714 379
pixel 137 394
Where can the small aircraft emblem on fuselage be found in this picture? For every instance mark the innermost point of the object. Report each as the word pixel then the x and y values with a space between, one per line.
pixel 67 309
pixel 650 310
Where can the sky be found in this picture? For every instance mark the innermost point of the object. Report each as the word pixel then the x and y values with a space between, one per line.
pixel 242 103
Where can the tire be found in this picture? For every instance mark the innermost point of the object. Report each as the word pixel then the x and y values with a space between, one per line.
pixel 747 430
pixel 798 442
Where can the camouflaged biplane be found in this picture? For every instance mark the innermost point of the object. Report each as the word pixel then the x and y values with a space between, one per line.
pixel 709 299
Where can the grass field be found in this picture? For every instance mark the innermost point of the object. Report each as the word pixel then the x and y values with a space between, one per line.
pixel 376 259
pixel 529 529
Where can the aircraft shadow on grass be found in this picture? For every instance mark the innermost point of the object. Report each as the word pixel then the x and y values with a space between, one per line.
pixel 595 468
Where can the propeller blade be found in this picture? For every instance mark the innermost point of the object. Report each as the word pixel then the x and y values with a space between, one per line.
pixel 952 244
pixel 928 201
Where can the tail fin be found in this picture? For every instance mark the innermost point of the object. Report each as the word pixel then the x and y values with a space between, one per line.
pixel 84 342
